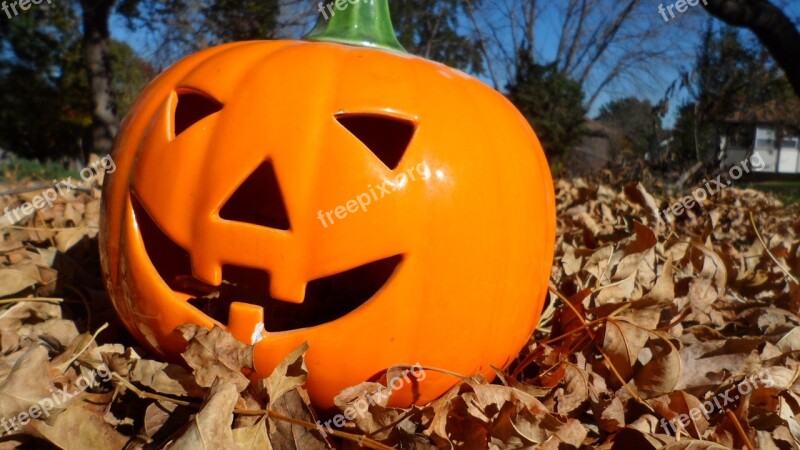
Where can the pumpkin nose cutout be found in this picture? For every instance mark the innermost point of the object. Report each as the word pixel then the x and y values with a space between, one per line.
pixel 258 201
pixel 386 137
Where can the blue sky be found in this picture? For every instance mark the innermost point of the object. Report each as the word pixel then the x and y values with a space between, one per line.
pixel 682 32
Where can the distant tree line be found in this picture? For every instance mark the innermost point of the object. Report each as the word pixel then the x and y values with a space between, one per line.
pixel 65 83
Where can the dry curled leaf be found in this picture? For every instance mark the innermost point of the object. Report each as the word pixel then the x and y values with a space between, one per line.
pixel 686 314
pixel 211 427
pixel 81 426
pixel 216 354
pixel 27 384
pixel 291 373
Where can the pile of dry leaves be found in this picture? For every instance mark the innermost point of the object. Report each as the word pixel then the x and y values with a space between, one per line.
pixel 655 336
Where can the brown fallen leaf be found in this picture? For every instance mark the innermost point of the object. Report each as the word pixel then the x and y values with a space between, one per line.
pixel 682 411
pixel 155 416
pixel 67 238
pixel 169 379
pixel 81 425
pixel 622 343
pixel 253 437
pixel 575 390
pixel 211 427
pixel 290 436
pixel 15 323
pixel 689 444
pixel 16 279
pixel 660 369
pixel 704 288
pixel 291 373
pixel 216 354
pixel 27 385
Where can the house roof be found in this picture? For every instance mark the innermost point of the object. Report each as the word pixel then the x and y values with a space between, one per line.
pixel 595 128
pixel 785 111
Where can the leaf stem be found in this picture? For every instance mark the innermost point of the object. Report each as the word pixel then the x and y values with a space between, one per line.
pixel 356 438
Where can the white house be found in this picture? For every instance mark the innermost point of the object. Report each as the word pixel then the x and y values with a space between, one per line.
pixel 770 130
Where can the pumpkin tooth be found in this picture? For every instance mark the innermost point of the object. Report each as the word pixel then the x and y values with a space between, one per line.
pixel 246 322
pixel 288 288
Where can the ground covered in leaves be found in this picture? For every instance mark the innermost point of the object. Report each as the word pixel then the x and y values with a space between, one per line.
pixel 655 336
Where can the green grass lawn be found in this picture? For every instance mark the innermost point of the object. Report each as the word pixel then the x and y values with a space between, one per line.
pixel 787 191
pixel 18 169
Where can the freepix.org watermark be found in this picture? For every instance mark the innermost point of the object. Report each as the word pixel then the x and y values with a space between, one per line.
pixel 24 5
pixel 364 199
pixel 360 407
pixel 681 5
pixel 341 5
pixel 60 188
pixel 705 191
pixel 720 401
pixel 59 397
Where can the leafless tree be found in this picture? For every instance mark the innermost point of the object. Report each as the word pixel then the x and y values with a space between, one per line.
pixel 172 29
pixel 603 44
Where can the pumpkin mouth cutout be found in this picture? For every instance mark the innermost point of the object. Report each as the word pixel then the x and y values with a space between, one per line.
pixel 326 299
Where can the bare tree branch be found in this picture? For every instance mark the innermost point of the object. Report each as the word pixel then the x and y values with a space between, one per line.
pixel 483 44
pixel 608 37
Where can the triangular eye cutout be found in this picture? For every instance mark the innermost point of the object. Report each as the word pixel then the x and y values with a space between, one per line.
pixel 258 201
pixel 387 137
pixel 192 107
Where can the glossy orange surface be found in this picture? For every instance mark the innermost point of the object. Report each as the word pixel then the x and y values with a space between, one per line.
pixel 474 230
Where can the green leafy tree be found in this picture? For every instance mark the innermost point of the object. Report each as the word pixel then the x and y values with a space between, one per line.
pixel 180 27
pixel 64 82
pixel 552 103
pixel 638 122
pixel 239 20
pixel 44 109
pixel 47 104
pixel 130 75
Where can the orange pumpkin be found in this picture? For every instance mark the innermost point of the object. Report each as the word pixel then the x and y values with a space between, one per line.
pixel 382 207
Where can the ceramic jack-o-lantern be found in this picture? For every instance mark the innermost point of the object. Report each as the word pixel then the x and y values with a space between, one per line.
pixel 384 208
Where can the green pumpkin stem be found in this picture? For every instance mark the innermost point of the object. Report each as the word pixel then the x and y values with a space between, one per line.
pixel 365 23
